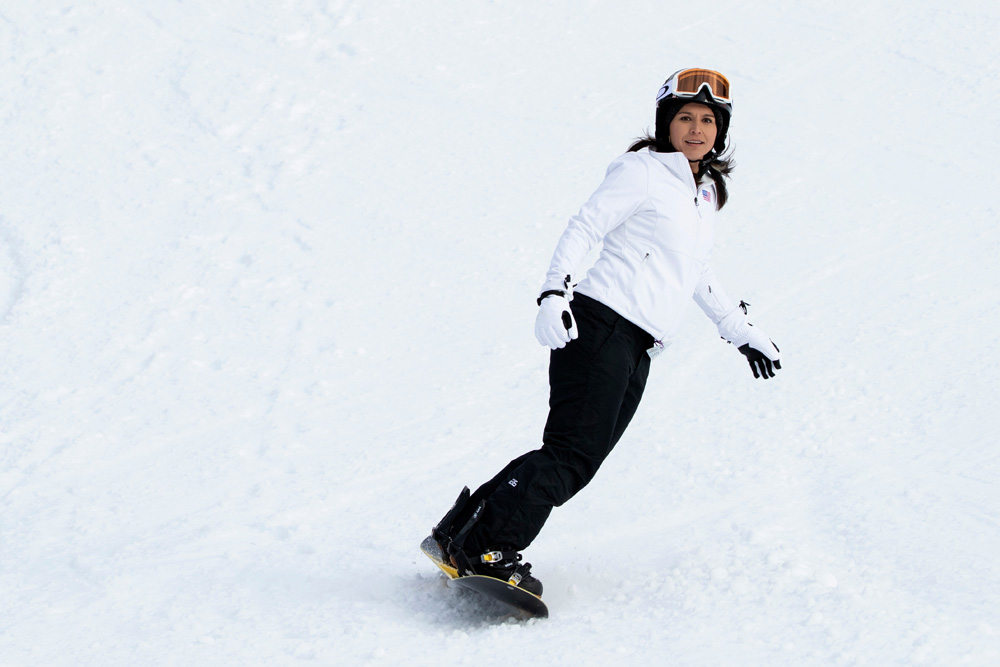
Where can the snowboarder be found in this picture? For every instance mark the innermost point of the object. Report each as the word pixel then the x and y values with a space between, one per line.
pixel 654 213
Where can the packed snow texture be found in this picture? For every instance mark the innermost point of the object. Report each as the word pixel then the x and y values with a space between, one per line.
pixel 267 282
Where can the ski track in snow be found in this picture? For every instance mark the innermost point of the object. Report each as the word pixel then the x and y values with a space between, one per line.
pixel 266 296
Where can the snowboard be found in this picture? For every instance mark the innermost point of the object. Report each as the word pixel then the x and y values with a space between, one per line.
pixel 521 602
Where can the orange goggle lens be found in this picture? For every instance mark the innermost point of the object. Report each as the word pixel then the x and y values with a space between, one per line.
pixel 690 81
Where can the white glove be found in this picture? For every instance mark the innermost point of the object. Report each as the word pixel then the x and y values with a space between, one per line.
pixel 555 325
pixel 761 352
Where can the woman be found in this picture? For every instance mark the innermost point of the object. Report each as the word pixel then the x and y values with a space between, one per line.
pixel 654 213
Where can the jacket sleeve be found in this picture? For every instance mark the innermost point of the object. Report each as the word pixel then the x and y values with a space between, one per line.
pixel 623 191
pixel 725 313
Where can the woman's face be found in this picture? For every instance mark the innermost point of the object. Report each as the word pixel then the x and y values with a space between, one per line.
pixel 693 130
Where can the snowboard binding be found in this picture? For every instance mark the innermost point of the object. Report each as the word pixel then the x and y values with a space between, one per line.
pixel 500 562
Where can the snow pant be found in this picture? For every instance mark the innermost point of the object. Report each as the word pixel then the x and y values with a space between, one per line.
pixel 595 383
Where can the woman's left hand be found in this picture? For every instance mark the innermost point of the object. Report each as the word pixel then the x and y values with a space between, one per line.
pixel 762 354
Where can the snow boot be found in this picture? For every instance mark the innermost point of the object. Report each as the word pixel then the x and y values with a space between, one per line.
pixel 502 562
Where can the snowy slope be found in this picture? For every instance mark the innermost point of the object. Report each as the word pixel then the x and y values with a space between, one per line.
pixel 267 275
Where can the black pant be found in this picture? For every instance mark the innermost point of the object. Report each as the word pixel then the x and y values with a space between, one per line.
pixel 595 383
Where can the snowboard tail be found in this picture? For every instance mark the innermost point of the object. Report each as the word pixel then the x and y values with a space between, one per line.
pixel 523 603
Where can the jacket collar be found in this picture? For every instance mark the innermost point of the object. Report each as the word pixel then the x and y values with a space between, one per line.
pixel 677 164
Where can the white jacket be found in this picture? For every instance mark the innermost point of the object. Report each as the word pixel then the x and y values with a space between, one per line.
pixel 657 226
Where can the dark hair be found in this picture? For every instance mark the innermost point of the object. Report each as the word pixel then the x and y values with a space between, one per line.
pixel 717 167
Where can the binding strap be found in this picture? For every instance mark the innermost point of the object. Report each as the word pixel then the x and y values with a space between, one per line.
pixel 497 557
pixel 455 549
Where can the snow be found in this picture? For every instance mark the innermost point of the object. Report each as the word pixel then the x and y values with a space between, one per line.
pixel 267 274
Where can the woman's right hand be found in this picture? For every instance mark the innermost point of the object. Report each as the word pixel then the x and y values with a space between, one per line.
pixel 555 325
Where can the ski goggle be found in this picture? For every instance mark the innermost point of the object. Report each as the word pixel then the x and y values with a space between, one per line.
pixel 689 82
